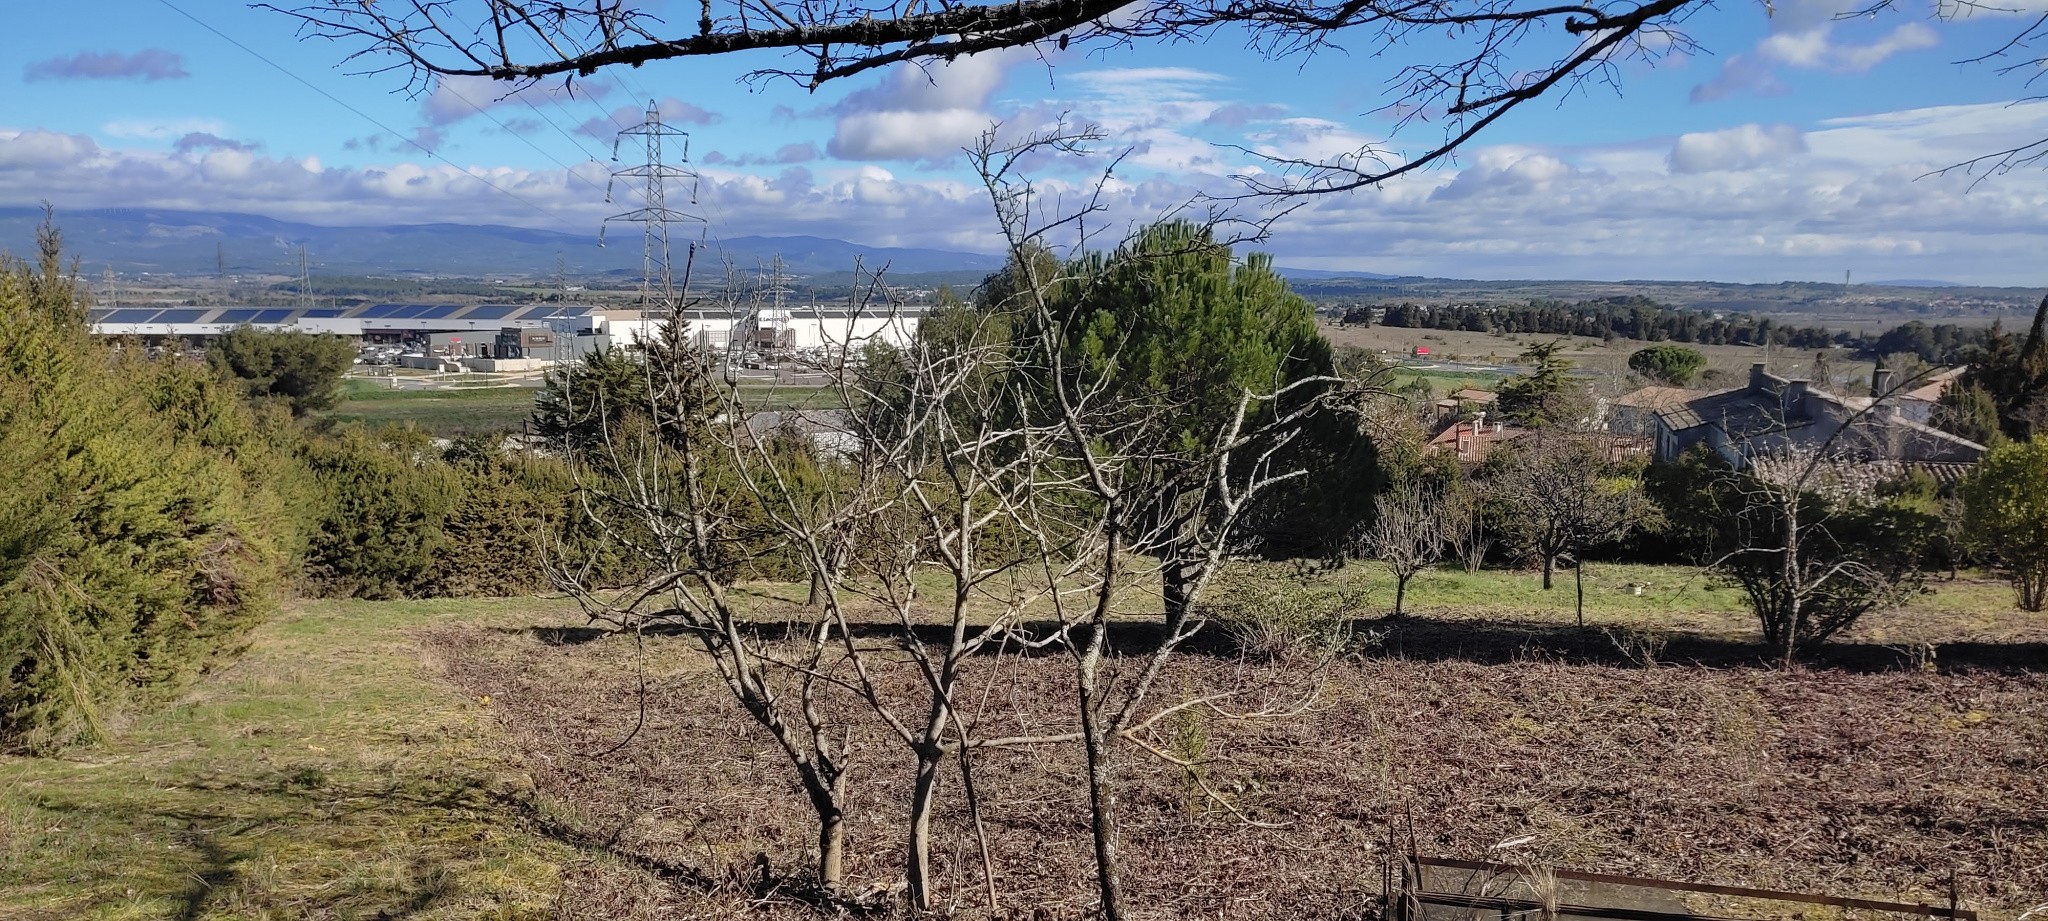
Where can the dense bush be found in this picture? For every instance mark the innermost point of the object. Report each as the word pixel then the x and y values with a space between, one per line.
pixel 383 501
pixel 134 545
pixel 2005 503
pixel 398 516
pixel 1812 557
pixel 302 370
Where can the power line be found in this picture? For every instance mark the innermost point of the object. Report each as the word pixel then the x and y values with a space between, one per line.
pixel 360 113
pixel 518 93
pixel 552 124
pixel 480 110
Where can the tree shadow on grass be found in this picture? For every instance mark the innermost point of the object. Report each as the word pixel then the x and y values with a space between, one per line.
pixel 1495 641
pixel 1489 641
pixel 223 832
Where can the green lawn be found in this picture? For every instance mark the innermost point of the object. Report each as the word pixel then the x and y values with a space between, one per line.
pixel 1678 598
pixel 326 773
pixel 442 412
pixel 470 410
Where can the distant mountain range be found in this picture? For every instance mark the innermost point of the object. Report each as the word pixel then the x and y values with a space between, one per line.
pixel 1916 283
pixel 188 242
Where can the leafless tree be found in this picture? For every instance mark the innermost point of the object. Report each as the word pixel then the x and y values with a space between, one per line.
pixel 1809 550
pixel 1465 519
pixel 1468 62
pixel 1564 497
pixel 1111 461
pixel 955 485
pixel 1408 532
pixel 652 483
pixel 1493 67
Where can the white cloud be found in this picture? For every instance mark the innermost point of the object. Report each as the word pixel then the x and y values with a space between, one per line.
pixel 921 113
pixel 907 135
pixel 1738 148
pixel 1805 40
pixel 1744 204
pixel 162 128
pixel 1741 204
pixel 1150 83
pixel 458 98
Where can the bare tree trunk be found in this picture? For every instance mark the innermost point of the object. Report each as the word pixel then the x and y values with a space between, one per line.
pixel 1793 589
pixel 923 796
pixel 1101 794
pixel 1579 582
pixel 831 843
pixel 1174 587
pixel 2032 586
pixel 1548 563
pixel 1401 590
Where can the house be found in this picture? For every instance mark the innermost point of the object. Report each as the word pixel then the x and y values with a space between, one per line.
pixel 1472 441
pixel 1464 402
pixel 1773 415
pixel 1635 412
pixel 1918 403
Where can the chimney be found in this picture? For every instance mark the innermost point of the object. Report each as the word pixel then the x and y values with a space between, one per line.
pixel 1880 382
pixel 1795 398
pixel 1756 376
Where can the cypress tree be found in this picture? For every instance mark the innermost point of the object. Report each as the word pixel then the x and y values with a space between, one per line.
pixel 132 547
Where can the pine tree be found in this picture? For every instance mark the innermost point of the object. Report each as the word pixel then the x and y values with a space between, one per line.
pixel 1179 333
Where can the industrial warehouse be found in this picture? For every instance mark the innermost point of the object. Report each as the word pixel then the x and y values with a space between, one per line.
pixel 522 337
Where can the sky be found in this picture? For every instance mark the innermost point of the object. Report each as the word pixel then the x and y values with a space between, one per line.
pixel 1789 144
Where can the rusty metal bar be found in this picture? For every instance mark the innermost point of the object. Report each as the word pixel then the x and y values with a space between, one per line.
pixel 1740 891
pixel 1504 905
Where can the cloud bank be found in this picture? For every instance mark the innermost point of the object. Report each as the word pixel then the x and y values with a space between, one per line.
pixel 148 65
pixel 1754 202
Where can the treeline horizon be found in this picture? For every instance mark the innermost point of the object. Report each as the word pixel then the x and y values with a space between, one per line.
pixel 1639 318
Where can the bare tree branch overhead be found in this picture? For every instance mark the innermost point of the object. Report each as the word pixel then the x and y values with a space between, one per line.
pixel 1501 53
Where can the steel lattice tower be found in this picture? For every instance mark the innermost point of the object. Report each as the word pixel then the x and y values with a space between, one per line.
pixel 654 214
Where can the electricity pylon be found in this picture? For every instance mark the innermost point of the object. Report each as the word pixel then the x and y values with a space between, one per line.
pixel 654 214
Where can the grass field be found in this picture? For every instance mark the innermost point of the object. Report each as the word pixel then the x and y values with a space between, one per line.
pixel 435 760
pixel 326 773
pixel 443 412
pixel 484 409
pixel 1731 362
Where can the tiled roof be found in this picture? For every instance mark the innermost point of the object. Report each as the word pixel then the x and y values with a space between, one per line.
pixel 1658 398
pixel 1740 413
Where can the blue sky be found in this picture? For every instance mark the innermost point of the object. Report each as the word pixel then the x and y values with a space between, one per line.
pixel 1792 146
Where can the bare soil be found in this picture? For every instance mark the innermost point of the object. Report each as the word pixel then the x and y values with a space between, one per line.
pixel 1875 777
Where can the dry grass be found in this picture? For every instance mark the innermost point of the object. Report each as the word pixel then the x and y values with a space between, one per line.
pixel 1875 778
pixel 1606 360
pixel 439 760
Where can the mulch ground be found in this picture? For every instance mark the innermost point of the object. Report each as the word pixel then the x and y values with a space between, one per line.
pixel 1868 781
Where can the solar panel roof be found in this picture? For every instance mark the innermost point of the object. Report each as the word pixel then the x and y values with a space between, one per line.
pixel 129 316
pixel 271 316
pixel 380 311
pixel 179 316
pixel 492 312
pixel 236 316
pixel 438 311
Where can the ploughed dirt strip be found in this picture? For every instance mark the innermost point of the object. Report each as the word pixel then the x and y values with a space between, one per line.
pixel 1874 783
